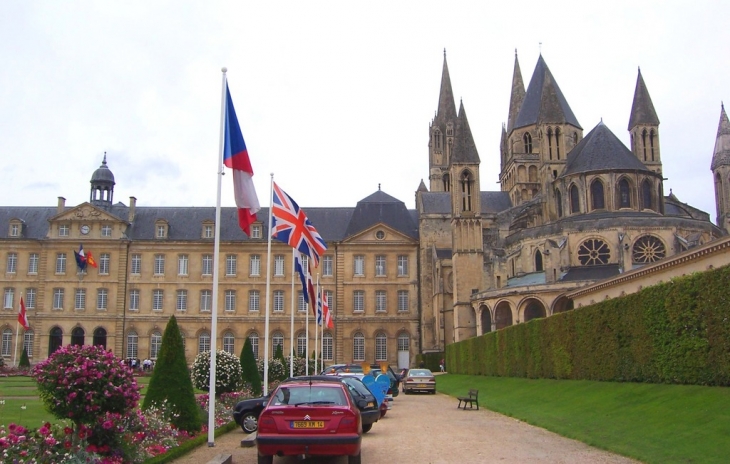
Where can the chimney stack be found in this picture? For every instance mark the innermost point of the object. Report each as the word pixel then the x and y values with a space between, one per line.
pixel 61 205
pixel 132 206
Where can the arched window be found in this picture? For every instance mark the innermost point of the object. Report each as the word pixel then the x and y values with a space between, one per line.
pixel 559 203
pixel 575 138
pixel 719 194
pixel 327 345
pixel 7 342
pixel 550 142
pixel 100 337
pixel 532 174
pixel 28 338
pixel 538 261
pixel 203 342
pixel 229 342
pixel 557 142
pixel 527 139
pixel 254 339
pixel 381 347
pixel 651 144
pixel 646 202
pixel 277 340
pixel 77 336
pixel 437 139
pixel 302 344
pixel 404 342
pixel 593 252
pixel 597 200
pixel 132 343
pixel 624 194
pixel 643 142
pixel 648 249
pixel 358 347
pixel 447 183
pixel 155 344
pixel 574 200
pixel 467 186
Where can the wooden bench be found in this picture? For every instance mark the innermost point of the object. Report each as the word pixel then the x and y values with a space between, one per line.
pixel 472 399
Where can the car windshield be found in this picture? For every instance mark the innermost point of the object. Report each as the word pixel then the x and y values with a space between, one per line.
pixel 420 373
pixel 297 395
pixel 376 372
pixel 356 385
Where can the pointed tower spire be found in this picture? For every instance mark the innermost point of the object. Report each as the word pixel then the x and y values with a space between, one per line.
pixel 642 109
pixel 517 96
pixel 721 171
pixel 465 150
pixel 721 155
pixel 441 135
pixel 447 108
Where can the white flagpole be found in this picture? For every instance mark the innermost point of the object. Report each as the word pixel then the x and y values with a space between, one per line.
pixel 268 289
pixel 216 252
pixel 316 326
pixel 306 323
pixel 17 336
pixel 291 329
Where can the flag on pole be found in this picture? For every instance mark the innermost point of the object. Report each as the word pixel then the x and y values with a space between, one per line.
pixel 312 293
pixel 23 315
pixel 298 267
pixel 291 226
pixel 326 314
pixel 235 156
pixel 90 260
pixel 80 258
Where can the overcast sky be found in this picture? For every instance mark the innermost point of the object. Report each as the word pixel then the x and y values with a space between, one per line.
pixel 334 98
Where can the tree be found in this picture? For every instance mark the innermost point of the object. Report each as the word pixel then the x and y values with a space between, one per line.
pixel 24 361
pixel 171 381
pixel 227 372
pixel 249 370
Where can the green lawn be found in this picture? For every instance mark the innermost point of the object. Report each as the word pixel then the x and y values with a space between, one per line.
pixel 649 422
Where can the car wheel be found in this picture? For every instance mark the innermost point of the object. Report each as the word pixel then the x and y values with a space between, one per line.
pixel 352 459
pixel 366 428
pixel 266 459
pixel 249 422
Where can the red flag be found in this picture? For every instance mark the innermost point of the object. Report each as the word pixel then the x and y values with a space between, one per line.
pixel 90 260
pixel 23 315
pixel 326 312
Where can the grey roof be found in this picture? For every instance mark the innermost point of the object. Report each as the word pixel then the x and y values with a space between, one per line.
pixel 517 96
pixel 591 273
pixel 465 150
pixel 642 109
pixel 34 218
pixel 544 102
pixel 601 150
pixel 440 202
pixel 444 253
pixel 447 106
pixel 103 174
pixel 533 278
pixel 382 208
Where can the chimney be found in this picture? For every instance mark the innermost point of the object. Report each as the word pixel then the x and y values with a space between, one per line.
pixel 132 206
pixel 61 205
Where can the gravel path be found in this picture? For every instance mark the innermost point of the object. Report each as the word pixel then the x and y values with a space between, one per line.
pixel 425 429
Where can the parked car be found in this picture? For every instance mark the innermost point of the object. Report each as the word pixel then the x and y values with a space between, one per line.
pixel 309 416
pixel 374 369
pixel 364 399
pixel 419 380
pixel 246 412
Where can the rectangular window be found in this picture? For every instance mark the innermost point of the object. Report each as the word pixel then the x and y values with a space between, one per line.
pixel 402 266
pixel 8 298
pixel 132 345
pixel 136 268
pixel 208 232
pixel 279 265
pixel 33 263
pixel 301 304
pixel 80 299
pixel 301 345
pixel 327 347
pixel 63 230
pixel 14 230
pixel 230 265
pixel 60 263
pixel 381 348
pixel 380 301
pixel 278 301
pixel 359 266
pixel 358 301
pixel 12 265
pixel 330 300
pixel 157 299
pixel 6 344
pixel 160 231
pixel 30 298
pixel 155 344
pixel 327 266
pixel 106 231
pixel 207 265
pixel 228 343
pixel 380 266
pixel 253 300
pixel 182 300
pixel 104 263
pixel 28 343
pixel 358 348
pixel 402 300
pixel 58 298
pixel 182 265
pixel 230 300
pixel 256 231
pixel 134 300
pixel 206 300
pixel 102 297
pixel 159 264
pixel 255 265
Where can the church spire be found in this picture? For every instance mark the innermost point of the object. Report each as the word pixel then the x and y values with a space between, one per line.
pixel 517 96
pixel 642 109
pixel 721 155
pixel 465 150
pixel 447 108
pixel 644 127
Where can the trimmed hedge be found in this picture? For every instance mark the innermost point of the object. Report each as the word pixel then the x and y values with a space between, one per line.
pixel 676 332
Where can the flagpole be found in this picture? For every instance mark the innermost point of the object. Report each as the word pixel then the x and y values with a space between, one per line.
pixel 306 325
pixel 268 289
pixel 216 259
pixel 291 329
pixel 17 335
pixel 316 327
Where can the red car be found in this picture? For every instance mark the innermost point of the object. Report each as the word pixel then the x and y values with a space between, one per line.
pixel 310 417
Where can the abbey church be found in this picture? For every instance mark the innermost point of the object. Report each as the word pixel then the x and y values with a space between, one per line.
pixel 574 211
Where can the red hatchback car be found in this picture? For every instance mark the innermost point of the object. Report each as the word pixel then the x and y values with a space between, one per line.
pixel 310 417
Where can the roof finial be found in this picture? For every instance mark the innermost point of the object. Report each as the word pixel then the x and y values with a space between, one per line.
pixel 515 52
pixel 540 46
pixel 444 52
pixel 378 186
pixel 104 162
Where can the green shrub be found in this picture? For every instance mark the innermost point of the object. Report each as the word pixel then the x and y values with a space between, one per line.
pixel 249 370
pixel 227 372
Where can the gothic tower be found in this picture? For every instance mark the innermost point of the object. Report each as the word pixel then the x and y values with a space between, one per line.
pixel 644 128
pixel 441 136
pixel 721 171
pixel 102 186
pixel 466 227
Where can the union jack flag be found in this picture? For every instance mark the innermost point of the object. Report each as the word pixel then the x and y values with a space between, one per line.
pixel 291 226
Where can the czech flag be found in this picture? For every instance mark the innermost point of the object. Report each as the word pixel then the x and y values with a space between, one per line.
pixel 235 156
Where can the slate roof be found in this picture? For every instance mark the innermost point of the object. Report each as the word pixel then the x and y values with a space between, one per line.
pixel 601 150
pixel 642 109
pixel 517 96
pixel 447 106
pixel 533 278
pixel 465 150
pixel 381 207
pixel 440 202
pixel 544 102
pixel 590 273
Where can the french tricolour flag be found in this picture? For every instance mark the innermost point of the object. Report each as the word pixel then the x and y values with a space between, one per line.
pixel 235 156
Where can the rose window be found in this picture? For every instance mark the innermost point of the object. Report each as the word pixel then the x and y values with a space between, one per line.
pixel 648 249
pixel 593 251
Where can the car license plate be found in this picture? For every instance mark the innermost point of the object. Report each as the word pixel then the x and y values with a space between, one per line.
pixel 307 424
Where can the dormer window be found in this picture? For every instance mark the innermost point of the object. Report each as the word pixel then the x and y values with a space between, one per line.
pixel 15 229
pixel 63 230
pixel 256 231
pixel 208 231
pixel 161 229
